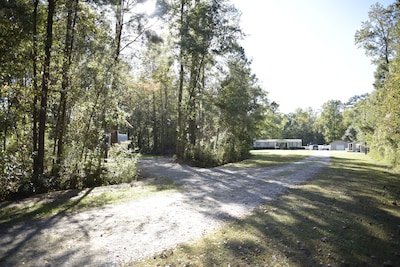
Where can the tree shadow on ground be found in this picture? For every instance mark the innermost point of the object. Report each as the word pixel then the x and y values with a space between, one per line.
pixel 22 243
pixel 233 193
pixel 345 217
pixel 22 209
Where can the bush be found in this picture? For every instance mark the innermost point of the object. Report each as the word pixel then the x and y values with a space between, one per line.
pixel 82 170
pixel 121 164
pixel 202 157
pixel 14 175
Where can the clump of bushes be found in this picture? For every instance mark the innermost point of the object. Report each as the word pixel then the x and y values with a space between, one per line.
pixel 121 164
pixel 75 172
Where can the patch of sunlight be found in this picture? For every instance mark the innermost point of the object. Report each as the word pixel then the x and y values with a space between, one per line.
pixel 287 219
pixel 374 228
pixel 392 211
pixel 308 206
pixel 327 192
pixel 317 220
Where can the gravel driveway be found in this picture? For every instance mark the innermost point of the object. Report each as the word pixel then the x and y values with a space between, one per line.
pixel 127 232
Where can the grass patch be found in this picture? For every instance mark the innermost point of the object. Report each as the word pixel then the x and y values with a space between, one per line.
pixel 268 158
pixel 56 203
pixel 348 215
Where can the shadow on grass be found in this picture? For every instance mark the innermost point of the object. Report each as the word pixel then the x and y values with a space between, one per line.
pixel 348 215
pixel 45 205
pixel 44 233
pixel 40 205
pixel 17 236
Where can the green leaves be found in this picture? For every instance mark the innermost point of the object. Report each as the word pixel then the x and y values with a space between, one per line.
pixel 241 104
pixel 301 124
pixel 332 119
pixel 379 121
pixel 377 35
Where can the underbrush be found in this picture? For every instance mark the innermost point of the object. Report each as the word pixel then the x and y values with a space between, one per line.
pixel 75 172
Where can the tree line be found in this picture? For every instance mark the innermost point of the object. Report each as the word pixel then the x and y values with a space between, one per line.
pixel 76 73
pixel 378 114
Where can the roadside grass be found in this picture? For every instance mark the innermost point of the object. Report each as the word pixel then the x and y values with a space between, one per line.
pixel 265 158
pixel 55 203
pixel 347 215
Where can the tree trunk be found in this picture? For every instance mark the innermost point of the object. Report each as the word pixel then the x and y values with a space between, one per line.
pixel 117 49
pixel 35 91
pixel 192 104
pixel 180 148
pixel 45 89
pixel 72 9
pixel 156 131
pixel 197 65
pixel 163 125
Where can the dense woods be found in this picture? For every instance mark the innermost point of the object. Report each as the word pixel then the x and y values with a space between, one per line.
pixel 76 73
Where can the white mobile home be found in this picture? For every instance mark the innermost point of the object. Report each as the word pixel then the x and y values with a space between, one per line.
pixel 278 144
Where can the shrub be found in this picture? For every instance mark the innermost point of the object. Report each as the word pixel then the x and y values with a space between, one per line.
pixel 15 174
pixel 121 164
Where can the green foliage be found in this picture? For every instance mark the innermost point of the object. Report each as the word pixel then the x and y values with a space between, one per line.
pixel 241 104
pixel 122 164
pixel 14 175
pixel 206 34
pixel 387 132
pixel 377 36
pixel 205 156
pixel 378 115
pixel 354 114
pixel 350 135
pixel 301 124
pixel 271 125
pixel 15 148
pixel 332 120
pixel 153 113
pixel 15 45
pixel 82 170
pixel 102 79
pixel 92 170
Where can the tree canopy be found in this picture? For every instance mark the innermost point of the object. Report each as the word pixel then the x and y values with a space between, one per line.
pixel 78 73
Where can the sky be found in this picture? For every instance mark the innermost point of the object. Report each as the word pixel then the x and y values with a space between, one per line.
pixel 303 51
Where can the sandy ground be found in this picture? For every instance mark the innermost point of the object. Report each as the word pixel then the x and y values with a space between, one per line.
pixel 122 233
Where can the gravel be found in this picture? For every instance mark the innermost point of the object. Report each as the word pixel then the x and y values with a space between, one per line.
pixel 117 234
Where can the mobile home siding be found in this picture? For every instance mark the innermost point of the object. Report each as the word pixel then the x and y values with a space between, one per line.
pixel 278 144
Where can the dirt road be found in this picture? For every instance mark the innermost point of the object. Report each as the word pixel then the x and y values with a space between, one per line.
pixel 127 232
